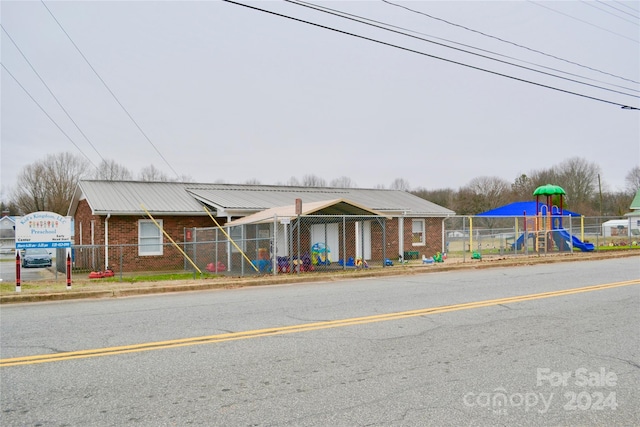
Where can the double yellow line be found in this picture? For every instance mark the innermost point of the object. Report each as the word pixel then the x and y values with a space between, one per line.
pixel 233 336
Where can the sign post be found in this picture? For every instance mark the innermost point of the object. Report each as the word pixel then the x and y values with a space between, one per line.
pixel 18 270
pixel 68 264
pixel 47 230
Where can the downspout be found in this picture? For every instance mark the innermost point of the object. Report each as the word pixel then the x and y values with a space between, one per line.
pixel 106 241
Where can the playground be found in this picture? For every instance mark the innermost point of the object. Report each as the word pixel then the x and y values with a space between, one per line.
pixel 539 226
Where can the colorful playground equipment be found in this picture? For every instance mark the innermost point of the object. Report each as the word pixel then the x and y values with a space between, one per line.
pixel 320 254
pixel 546 227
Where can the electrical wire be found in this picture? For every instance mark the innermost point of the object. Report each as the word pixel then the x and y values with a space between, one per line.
pixel 47 114
pixel 361 20
pixel 509 42
pixel 580 20
pixel 607 12
pixel 431 56
pixel 51 93
pixel 110 91
pixel 625 5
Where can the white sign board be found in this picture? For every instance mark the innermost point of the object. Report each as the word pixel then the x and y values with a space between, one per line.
pixel 43 230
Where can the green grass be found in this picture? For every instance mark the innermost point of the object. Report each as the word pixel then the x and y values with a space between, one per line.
pixel 157 277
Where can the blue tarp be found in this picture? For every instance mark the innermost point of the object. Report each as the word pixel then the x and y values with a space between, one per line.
pixel 519 209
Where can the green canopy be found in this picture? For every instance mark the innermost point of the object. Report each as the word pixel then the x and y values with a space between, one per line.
pixel 549 190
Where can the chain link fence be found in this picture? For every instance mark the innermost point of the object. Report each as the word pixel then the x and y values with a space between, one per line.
pixel 285 245
pixel 538 235
pixel 330 243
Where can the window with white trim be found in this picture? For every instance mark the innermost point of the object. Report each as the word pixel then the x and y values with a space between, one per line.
pixel 149 238
pixel 417 232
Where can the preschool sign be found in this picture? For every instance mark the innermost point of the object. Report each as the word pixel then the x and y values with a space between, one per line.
pixel 43 230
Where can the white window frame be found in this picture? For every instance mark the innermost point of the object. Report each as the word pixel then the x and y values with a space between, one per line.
pixel 422 232
pixel 156 239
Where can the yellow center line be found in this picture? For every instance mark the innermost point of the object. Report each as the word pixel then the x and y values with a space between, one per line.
pixel 233 336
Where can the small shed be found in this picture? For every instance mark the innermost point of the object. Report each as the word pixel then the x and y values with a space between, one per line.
pixel 615 227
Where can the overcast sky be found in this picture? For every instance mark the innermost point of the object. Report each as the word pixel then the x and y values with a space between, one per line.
pixel 220 92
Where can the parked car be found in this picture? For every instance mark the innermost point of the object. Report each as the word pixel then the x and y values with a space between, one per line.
pixel 36 258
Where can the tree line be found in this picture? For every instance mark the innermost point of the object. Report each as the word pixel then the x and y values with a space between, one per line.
pixel 49 184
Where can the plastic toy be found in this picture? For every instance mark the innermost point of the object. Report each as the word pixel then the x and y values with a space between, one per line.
pixel 320 254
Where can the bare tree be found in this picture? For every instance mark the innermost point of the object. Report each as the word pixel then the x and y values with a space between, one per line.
pixel 313 181
pixel 616 204
pixel 443 197
pixel 111 171
pixel 151 173
pixel 579 178
pixel 522 188
pixel 541 177
pixel 400 184
pixel 342 182
pixel 632 180
pixel 293 182
pixel 252 181
pixel 48 185
pixel 482 194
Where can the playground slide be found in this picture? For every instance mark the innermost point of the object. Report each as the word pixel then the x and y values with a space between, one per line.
pixel 520 242
pixel 577 243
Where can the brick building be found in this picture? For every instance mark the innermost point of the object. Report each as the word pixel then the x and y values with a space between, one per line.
pixel 141 218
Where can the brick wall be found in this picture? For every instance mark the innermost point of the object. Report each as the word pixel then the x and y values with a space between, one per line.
pixel 123 230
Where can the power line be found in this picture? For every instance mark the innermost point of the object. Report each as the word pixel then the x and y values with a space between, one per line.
pixel 387 27
pixel 427 55
pixel 584 22
pixel 47 114
pixel 110 91
pixel 627 6
pixel 507 41
pixel 608 12
pixel 51 92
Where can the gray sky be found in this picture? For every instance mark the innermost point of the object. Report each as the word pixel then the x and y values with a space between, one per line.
pixel 227 93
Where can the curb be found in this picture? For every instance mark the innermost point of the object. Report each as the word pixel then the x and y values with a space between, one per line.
pixel 239 282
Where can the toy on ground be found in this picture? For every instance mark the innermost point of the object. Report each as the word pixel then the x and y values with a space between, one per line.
pixel 426 260
pixel 101 274
pixel 216 268
pixel 361 263
pixel 320 254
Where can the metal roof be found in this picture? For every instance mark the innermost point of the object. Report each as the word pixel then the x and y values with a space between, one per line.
pixel 174 198
pixel 133 197
pixel 339 207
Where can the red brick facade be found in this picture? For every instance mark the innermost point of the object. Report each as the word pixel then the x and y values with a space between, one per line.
pixel 124 253
pixel 123 239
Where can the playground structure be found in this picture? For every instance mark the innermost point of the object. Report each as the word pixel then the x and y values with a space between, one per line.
pixel 546 228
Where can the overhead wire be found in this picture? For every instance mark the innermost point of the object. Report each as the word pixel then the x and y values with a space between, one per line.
pixel 440 44
pixel 51 93
pixel 508 41
pixel 110 91
pixel 386 26
pixel 427 54
pixel 583 21
pixel 625 5
pixel 607 12
pixel 47 114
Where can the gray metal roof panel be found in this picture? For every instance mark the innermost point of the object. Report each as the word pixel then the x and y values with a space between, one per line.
pixel 129 197
pixel 121 197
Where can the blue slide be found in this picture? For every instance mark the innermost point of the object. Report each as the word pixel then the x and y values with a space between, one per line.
pixel 562 237
pixel 520 242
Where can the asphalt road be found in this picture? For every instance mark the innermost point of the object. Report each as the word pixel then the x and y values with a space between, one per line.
pixel 27 275
pixel 502 346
